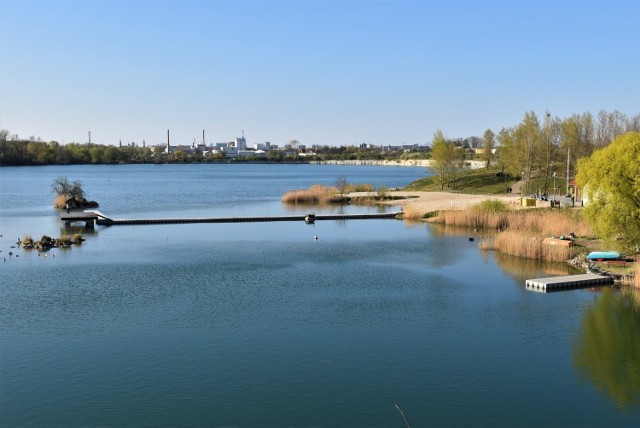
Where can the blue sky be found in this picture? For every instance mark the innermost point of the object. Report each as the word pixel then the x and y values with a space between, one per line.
pixel 322 72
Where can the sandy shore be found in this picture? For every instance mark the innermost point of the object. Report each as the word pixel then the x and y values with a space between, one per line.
pixel 425 202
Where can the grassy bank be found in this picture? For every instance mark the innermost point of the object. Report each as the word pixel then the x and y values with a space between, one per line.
pixel 476 181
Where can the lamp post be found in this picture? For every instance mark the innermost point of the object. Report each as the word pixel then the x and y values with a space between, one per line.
pixel 554 186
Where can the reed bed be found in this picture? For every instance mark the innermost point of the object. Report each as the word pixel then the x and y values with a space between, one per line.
pixel 470 218
pixel 528 245
pixel 316 194
pixel 412 214
pixel 633 280
pixel 544 222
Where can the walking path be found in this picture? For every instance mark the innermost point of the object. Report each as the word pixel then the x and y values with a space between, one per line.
pixel 425 202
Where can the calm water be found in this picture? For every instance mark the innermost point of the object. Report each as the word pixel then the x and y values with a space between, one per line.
pixel 242 325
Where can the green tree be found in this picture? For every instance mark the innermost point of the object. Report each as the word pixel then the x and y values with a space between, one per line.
pixel 522 148
pixel 442 154
pixel 610 178
pixel 489 144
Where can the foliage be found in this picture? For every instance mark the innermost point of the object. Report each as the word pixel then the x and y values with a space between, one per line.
pixel 446 159
pixel 611 179
pixel 607 351
pixel 63 187
pixel 489 145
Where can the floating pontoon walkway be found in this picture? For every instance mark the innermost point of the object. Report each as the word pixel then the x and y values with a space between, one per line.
pixel 103 220
pixel 558 283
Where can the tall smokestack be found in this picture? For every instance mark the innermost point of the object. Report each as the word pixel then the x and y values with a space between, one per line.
pixel 168 146
pixel 203 138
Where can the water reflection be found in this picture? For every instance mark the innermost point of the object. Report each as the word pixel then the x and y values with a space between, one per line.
pixel 518 268
pixel 521 269
pixel 607 350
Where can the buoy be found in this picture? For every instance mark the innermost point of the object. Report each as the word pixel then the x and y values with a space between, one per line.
pixel 315 238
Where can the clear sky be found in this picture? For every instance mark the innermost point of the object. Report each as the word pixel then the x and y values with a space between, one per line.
pixel 325 72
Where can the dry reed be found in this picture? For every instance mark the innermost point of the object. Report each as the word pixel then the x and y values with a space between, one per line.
pixel 633 280
pixel 544 222
pixel 59 201
pixel 409 213
pixel 316 194
pixel 524 244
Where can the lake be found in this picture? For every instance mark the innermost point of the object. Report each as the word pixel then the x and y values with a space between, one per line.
pixel 258 324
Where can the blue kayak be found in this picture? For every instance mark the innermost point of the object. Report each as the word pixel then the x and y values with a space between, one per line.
pixel 603 255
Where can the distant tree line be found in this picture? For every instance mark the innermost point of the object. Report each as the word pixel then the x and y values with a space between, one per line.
pixel 529 146
pixel 32 151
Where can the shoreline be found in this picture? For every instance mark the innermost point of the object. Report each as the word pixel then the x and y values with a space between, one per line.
pixel 426 163
pixel 426 202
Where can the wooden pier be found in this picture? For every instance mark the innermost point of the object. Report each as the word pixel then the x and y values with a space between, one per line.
pixel 559 283
pixel 89 217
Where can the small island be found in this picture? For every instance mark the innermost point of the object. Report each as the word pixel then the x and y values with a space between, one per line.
pixel 70 195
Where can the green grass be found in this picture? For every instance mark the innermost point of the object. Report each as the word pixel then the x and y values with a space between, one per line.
pixel 475 181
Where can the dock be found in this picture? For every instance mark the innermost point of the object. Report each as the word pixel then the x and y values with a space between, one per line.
pixel 91 217
pixel 88 218
pixel 559 283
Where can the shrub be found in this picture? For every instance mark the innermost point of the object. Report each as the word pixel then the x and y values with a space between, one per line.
pixel 490 206
pixel 63 187
pixel 363 187
pixel 382 192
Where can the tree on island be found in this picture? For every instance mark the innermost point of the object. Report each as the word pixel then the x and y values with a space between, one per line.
pixel 70 194
pixel 342 184
pixel 610 178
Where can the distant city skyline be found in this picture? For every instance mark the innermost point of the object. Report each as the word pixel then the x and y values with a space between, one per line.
pixel 320 72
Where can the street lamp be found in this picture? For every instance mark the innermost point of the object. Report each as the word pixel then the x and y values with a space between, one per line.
pixel 554 186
